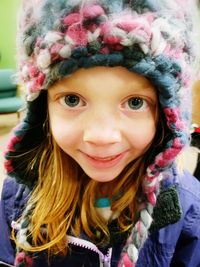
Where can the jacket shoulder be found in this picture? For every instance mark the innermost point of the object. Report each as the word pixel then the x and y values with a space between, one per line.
pixel 189 195
pixel 13 198
pixel 189 184
pixel 189 191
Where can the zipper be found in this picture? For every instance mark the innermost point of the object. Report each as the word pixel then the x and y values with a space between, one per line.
pixel 105 260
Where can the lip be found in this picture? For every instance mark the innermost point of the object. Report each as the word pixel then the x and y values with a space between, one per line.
pixel 104 162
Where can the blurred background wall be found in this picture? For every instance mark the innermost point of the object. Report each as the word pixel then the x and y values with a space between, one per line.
pixel 8 18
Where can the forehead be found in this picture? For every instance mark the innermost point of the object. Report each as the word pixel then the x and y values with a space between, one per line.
pixel 105 77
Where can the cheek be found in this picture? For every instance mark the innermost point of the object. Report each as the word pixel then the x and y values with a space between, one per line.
pixel 64 132
pixel 142 135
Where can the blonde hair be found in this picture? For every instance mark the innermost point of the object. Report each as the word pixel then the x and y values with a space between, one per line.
pixel 59 203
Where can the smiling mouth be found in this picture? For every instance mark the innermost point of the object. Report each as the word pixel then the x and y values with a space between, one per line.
pixel 104 158
pixel 104 162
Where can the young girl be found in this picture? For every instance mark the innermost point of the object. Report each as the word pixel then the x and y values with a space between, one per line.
pixel 92 174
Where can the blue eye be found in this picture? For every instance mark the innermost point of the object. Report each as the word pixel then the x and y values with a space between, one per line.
pixel 71 100
pixel 136 103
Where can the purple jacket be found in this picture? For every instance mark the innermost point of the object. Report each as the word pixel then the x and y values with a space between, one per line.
pixel 175 245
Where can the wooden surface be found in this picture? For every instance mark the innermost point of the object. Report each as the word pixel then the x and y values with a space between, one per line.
pixel 196 103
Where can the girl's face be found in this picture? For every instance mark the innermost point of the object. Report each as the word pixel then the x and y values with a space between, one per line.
pixel 103 117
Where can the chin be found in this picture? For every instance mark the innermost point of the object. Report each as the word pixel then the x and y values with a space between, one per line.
pixel 102 178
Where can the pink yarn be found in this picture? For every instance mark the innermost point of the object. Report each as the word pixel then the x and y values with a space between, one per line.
pixel 21 258
pixel 139 228
pixel 39 41
pixel 172 114
pixel 168 156
pixel 78 34
pixel 152 198
pixel 180 125
pixel 186 77
pixel 92 27
pixel 72 19
pixel 177 143
pixel 33 71
pixel 106 28
pixel 91 12
pixel 8 166
pixel 149 189
pixel 54 51
pixel 128 24
pixel 12 142
pixel 104 50
pixel 126 261
pixel 173 53
pixel 40 79
pixel 108 37
pixel 149 17
pixel 35 84
pixel 31 88
pixel 112 40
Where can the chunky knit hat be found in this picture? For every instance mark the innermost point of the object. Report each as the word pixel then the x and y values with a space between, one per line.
pixel 152 38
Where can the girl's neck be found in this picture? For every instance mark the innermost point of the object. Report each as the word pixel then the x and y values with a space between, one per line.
pixel 106 189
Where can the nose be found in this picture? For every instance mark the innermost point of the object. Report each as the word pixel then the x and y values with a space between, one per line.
pixel 102 132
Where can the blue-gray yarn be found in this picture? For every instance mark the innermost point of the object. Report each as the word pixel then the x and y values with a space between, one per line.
pixel 67 66
pixel 101 60
pixel 79 52
pixel 165 81
pixel 165 64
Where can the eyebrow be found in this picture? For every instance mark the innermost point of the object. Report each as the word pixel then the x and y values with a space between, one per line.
pixel 132 88
pixel 149 89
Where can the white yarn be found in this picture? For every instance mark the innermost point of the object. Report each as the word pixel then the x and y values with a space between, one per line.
pixel 22 237
pixel 15 225
pixel 25 71
pixel 151 183
pixel 119 32
pixel 146 218
pixel 44 59
pixel 136 37
pixel 158 44
pixel 132 252
pixel 32 96
pixel 69 40
pixel 150 208
pixel 52 37
pixel 65 51
pixel 149 172
pixel 126 42
pixel 92 36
